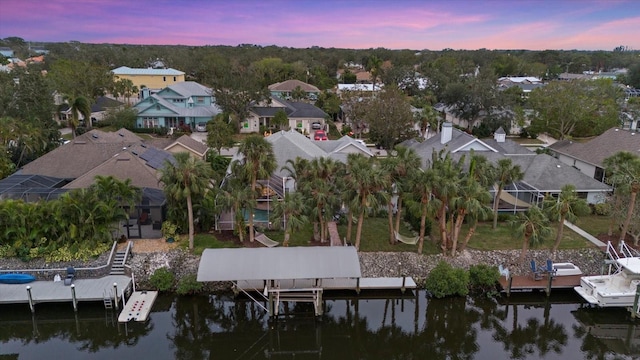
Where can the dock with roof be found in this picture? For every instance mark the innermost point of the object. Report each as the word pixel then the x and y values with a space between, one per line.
pixel 295 274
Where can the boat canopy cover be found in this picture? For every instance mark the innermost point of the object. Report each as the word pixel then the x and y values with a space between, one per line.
pixel 631 263
pixel 279 263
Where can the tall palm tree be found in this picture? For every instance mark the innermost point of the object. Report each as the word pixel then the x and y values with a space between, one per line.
pixel 472 200
pixel 369 179
pixel 419 199
pixel 78 105
pixel 291 213
pixel 185 179
pixel 568 206
pixel 446 184
pixel 319 182
pixel 236 196
pixel 532 227
pixel 506 173
pixel 624 170
pixel 259 161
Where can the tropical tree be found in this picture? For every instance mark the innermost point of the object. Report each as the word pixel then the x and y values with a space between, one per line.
pixel 374 66
pixel 369 180
pixel 79 105
pixel 623 171
pixel 419 199
pixel 236 197
pixel 446 184
pixel 290 213
pixel 319 181
pixel 185 179
pixel 389 117
pixel 471 201
pixel 259 162
pixel 575 108
pixel 400 165
pixel 532 227
pixel 220 133
pixel 568 206
pixel 505 173
pixel 280 120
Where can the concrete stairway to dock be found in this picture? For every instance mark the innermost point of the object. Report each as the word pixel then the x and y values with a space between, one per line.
pixel 120 258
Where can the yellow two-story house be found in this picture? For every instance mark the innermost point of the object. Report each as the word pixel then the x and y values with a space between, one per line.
pixel 152 79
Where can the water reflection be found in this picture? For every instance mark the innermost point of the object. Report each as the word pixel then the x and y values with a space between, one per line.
pixel 525 326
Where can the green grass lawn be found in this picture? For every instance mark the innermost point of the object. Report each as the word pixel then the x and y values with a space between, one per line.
pixel 375 237
pixel 204 241
pixel 594 224
pixel 502 239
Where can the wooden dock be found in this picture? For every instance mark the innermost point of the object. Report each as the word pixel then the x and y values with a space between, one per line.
pixel 52 291
pixel 138 306
pixel 394 283
pixel 528 283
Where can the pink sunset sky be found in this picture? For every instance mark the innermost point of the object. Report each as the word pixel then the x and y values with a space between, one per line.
pixel 358 24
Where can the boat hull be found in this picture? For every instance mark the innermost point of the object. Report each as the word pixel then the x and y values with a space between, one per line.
pixel 617 290
pixel 16 278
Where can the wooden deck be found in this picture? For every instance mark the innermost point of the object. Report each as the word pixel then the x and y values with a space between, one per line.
pixel 395 283
pixel 527 283
pixel 50 291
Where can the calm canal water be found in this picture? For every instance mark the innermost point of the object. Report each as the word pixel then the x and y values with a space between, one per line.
pixel 527 326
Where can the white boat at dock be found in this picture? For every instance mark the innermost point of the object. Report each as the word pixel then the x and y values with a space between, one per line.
pixel 617 289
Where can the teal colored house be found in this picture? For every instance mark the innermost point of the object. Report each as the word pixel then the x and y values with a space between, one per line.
pixel 182 104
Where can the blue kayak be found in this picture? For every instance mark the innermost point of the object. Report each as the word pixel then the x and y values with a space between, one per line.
pixel 16 278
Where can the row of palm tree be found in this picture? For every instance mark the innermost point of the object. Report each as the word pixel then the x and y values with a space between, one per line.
pixel 450 192
pixel 81 218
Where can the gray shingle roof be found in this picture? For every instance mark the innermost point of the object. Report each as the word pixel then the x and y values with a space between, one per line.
pixel 287 145
pixel 190 143
pixel 543 172
pixel 123 165
pixel 600 147
pixel 290 85
pixel 82 154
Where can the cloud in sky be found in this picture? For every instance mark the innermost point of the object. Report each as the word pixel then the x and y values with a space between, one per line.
pixel 398 24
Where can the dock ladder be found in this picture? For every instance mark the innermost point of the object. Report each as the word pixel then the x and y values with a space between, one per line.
pixel 108 301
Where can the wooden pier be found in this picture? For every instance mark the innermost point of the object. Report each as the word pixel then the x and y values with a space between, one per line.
pixel 82 290
pixel 395 283
pixel 138 306
pixel 546 283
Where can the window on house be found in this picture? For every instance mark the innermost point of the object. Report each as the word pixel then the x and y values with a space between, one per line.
pixel 200 100
pixel 164 78
pixel 174 78
pixel 150 122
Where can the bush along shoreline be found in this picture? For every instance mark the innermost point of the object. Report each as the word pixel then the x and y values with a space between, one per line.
pixel 176 270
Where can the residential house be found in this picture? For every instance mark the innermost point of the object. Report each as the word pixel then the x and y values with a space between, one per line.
pixel 7 52
pixel 301 115
pixel 287 146
pixel 75 165
pixel 151 78
pixel 182 104
pixel 38 50
pixel 185 143
pixel 544 175
pixel 98 109
pixel 588 157
pixel 525 83
pixel 362 88
pixel 284 90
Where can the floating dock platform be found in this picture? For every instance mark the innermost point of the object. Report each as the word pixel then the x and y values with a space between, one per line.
pixel 138 306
